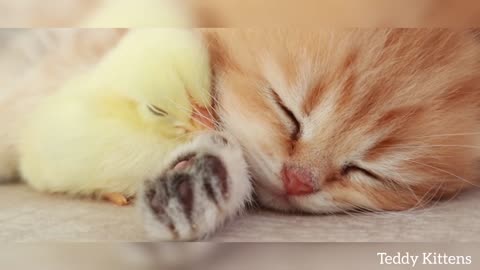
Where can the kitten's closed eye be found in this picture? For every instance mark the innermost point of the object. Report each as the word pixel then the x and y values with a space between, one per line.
pixel 295 133
pixel 350 167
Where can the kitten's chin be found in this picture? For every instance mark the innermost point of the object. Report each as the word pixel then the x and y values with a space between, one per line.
pixel 317 203
pixel 272 201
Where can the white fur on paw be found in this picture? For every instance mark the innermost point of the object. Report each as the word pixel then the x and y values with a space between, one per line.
pixel 204 183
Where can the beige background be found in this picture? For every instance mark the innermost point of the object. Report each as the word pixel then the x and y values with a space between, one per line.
pixel 26 216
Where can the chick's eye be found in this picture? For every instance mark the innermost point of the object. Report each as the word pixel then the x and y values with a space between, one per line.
pixel 157 111
pixel 291 116
pixel 350 168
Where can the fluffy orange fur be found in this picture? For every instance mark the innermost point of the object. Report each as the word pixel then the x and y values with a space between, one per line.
pixel 383 119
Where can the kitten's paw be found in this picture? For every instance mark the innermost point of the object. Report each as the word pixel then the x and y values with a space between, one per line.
pixel 205 183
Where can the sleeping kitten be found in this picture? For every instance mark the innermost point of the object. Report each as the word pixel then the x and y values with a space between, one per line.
pixel 328 121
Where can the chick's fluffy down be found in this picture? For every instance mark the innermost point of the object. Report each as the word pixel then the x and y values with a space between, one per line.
pixel 92 136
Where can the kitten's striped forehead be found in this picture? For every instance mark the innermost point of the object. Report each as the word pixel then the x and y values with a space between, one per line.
pixel 292 79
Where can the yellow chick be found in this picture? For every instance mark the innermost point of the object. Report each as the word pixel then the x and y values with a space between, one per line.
pixel 105 131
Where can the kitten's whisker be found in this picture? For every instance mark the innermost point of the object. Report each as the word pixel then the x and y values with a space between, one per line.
pixel 444 171
pixel 350 212
pixel 217 104
pixel 178 106
pixel 181 136
pixel 403 184
pixel 427 198
pixel 455 195
pixel 438 194
pixel 446 135
pixel 430 146
pixel 214 102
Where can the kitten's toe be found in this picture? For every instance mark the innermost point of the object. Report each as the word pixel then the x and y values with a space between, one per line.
pixel 193 196
pixel 214 177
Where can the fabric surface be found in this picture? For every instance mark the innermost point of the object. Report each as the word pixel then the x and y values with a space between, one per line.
pixel 26 216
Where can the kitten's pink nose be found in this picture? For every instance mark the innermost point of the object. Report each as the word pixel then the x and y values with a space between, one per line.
pixel 297 181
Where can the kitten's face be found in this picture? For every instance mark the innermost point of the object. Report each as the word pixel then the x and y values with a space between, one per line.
pixel 337 120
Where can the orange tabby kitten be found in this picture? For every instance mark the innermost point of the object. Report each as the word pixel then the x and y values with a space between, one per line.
pixel 378 119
